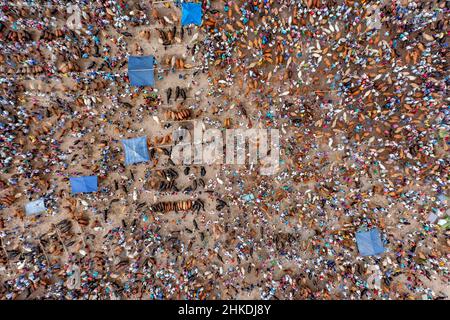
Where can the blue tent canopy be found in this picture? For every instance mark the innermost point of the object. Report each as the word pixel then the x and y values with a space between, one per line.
pixel 191 13
pixel 35 207
pixel 135 150
pixel 84 184
pixel 248 197
pixel 141 71
pixel 369 243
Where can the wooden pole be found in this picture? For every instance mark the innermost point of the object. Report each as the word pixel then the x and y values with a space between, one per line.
pixel 6 253
pixel 82 234
pixel 162 1
pixel 43 251
pixel 62 242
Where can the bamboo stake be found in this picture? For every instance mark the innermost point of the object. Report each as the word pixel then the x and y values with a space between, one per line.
pixel 43 251
pixel 6 253
pixel 162 1
pixel 62 242
pixel 42 76
pixel 82 233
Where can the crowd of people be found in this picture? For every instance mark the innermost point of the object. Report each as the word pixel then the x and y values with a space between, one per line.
pixel 358 90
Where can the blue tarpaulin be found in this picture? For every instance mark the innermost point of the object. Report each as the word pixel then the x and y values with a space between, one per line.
pixel 191 13
pixel 369 243
pixel 248 197
pixel 141 71
pixel 35 207
pixel 135 150
pixel 83 184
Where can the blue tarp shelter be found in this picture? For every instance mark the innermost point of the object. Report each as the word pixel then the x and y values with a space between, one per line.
pixel 369 243
pixel 191 13
pixel 35 207
pixel 141 71
pixel 84 184
pixel 135 150
pixel 248 197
